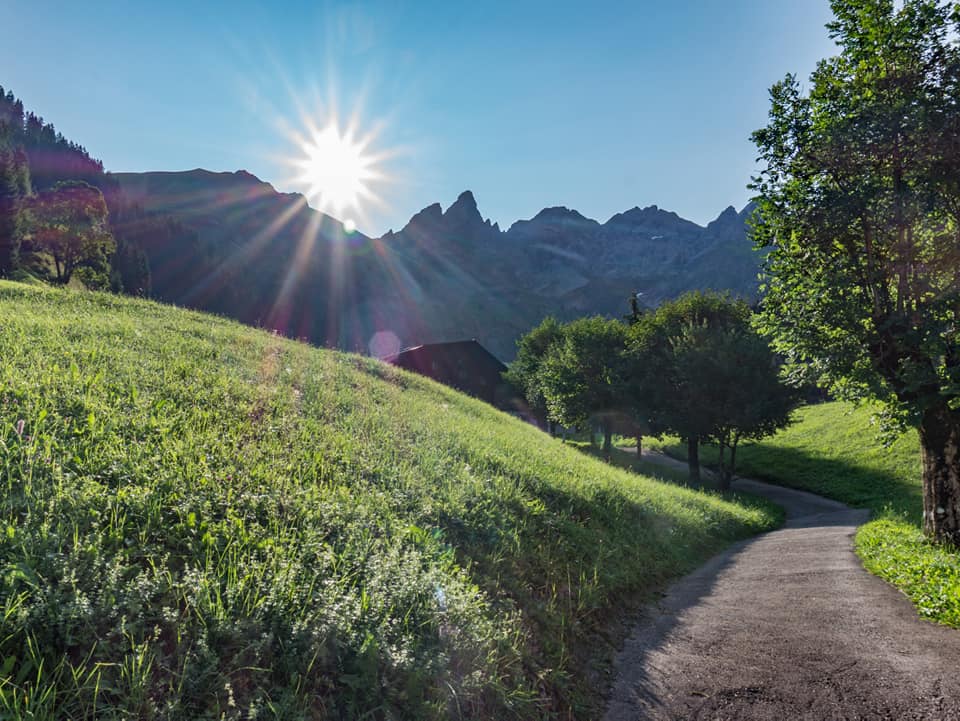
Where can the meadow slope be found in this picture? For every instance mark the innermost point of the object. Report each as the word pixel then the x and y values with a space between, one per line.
pixel 203 520
pixel 833 450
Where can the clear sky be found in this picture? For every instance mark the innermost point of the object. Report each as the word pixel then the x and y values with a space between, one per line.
pixel 599 106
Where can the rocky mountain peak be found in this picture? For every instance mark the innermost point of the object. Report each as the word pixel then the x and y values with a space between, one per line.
pixel 431 215
pixel 247 176
pixel 727 220
pixel 651 219
pixel 562 213
pixel 748 210
pixel 463 212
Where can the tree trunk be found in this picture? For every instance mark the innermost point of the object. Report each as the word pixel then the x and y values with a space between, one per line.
pixel 607 439
pixel 723 477
pixel 639 437
pixel 940 451
pixel 733 455
pixel 693 458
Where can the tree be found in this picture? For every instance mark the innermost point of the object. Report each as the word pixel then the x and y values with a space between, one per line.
pixel 662 372
pixel 736 377
pixel 859 203
pixel 581 376
pixel 70 223
pixel 129 268
pixel 14 187
pixel 524 372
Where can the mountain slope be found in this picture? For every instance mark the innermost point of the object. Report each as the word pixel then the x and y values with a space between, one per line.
pixel 202 520
pixel 230 244
pixel 267 258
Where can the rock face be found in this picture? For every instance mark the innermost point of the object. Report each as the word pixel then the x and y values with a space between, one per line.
pixel 268 258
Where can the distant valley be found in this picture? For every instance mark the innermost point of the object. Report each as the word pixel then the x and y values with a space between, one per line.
pixel 239 248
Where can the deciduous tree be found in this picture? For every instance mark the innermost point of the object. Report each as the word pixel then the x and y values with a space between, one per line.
pixel 859 204
pixel 69 222
pixel 582 375
pixel 661 367
pixel 736 377
pixel 524 371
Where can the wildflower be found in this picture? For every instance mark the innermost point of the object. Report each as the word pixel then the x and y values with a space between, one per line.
pixel 230 700
pixel 20 425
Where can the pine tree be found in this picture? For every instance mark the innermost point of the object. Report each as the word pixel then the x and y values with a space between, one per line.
pixel 12 183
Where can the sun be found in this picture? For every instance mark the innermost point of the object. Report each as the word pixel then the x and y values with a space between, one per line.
pixel 336 170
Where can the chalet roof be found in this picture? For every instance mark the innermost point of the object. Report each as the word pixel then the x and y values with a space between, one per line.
pixel 471 345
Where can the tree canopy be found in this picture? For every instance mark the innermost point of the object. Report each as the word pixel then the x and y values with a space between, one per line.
pixel 663 379
pixel 695 367
pixel 581 376
pixel 733 382
pixel 14 188
pixel 35 157
pixel 532 348
pixel 69 222
pixel 859 204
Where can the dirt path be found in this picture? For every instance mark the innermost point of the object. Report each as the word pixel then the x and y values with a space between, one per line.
pixel 788 625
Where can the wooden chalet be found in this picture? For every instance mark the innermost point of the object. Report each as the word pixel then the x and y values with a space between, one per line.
pixel 467 366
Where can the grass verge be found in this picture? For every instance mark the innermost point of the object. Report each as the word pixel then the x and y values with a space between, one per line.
pixel 203 520
pixel 833 450
pixel 627 459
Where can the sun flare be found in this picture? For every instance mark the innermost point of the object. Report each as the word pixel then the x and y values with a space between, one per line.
pixel 336 170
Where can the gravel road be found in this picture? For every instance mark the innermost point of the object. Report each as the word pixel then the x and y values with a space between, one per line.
pixel 787 626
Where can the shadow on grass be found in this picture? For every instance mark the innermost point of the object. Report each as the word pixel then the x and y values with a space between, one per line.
pixel 627 459
pixel 590 564
pixel 857 485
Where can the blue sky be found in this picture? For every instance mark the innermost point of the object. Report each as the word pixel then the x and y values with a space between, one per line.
pixel 596 106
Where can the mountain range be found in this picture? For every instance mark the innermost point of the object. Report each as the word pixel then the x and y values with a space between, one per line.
pixel 267 258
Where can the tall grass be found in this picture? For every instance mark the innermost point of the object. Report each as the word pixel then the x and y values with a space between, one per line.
pixel 202 520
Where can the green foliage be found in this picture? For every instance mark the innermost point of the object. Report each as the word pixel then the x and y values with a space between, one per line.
pixel 69 222
pixel 833 450
pixel 859 203
pixel 697 369
pixel 928 574
pixel 202 520
pixel 51 157
pixel 42 158
pixel 532 348
pixel 736 378
pixel 582 376
pixel 660 378
pixel 130 268
pixel 14 187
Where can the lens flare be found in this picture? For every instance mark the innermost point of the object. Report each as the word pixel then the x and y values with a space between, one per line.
pixel 338 168
pixel 335 169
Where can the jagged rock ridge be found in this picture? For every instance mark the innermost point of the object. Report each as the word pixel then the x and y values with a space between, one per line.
pixel 266 257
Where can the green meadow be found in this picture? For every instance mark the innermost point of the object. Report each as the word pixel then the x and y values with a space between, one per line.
pixel 201 520
pixel 833 449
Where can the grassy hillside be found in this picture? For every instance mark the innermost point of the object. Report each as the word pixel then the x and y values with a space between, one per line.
pixel 202 520
pixel 833 450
